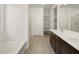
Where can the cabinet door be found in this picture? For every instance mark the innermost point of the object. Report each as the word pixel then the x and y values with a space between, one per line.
pixel 54 41
pixel 57 45
pixel 51 39
pixel 67 49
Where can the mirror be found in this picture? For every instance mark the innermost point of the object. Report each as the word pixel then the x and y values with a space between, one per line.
pixel 68 17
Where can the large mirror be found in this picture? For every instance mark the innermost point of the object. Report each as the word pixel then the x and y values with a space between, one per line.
pixel 68 17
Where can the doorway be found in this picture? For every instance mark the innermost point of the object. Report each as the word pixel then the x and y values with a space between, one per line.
pixel 36 16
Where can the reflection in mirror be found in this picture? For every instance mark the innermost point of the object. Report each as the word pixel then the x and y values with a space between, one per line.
pixel 68 17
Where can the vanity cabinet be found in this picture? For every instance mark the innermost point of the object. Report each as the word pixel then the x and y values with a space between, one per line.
pixel 68 49
pixel 55 43
pixel 51 39
pixel 60 46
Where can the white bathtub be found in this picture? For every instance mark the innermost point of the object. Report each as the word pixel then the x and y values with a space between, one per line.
pixel 11 47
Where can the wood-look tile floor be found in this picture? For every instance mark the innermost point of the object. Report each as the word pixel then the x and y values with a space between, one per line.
pixel 40 45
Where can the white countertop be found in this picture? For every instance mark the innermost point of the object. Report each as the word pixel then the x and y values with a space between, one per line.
pixel 68 36
pixel 11 47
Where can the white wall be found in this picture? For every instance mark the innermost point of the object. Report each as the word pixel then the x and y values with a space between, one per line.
pixel 36 16
pixel 51 18
pixel 63 18
pixel 17 22
pixel 2 22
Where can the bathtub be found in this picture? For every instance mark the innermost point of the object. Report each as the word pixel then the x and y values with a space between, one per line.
pixel 12 47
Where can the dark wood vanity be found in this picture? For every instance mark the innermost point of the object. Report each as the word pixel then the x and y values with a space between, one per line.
pixel 60 46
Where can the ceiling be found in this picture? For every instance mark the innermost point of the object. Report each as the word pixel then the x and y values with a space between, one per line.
pixel 35 5
pixel 47 6
pixel 69 6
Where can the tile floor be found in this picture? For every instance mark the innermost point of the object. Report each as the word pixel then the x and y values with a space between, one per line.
pixel 40 45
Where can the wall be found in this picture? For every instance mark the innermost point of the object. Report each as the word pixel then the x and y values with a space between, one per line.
pixel 74 18
pixel 63 18
pixel 52 18
pixel 17 22
pixel 36 16
pixel 2 22
pixel 75 23
pixel 28 26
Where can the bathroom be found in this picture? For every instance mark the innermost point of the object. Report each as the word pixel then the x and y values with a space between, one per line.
pixel 30 28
